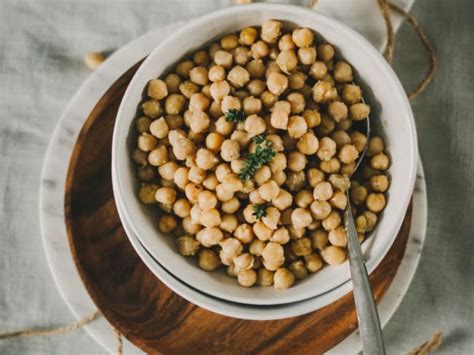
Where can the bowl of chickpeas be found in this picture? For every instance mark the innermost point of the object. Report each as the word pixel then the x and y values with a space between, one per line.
pixel 235 150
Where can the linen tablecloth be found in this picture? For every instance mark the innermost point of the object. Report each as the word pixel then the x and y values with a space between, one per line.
pixel 41 48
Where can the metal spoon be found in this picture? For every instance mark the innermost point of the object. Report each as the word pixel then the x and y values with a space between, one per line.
pixel 367 315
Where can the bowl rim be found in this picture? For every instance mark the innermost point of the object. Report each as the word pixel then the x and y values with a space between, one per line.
pixel 123 121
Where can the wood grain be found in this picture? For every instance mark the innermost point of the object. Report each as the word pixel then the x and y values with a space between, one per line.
pixel 141 307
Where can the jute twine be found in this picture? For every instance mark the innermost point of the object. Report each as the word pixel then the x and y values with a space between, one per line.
pixel 385 6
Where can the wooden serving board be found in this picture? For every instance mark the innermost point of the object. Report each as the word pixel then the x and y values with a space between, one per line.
pixel 141 307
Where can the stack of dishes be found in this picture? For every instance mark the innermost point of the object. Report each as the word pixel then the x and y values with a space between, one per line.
pixel 391 115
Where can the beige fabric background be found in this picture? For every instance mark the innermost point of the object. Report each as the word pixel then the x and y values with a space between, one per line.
pixel 41 49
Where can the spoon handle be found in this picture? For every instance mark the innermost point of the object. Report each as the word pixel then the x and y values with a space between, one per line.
pixel 367 315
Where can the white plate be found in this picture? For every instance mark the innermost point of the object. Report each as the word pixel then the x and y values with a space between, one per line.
pixel 53 231
pixel 390 109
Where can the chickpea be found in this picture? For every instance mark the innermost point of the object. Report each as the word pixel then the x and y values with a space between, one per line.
pixel 338 200
pixel 230 150
pixel 259 50
pixel 247 278
pixel 312 118
pixel 262 231
pixel 375 146
pixel 187 245
pixel 297 126
pixel 256 69
pixel 230 248
pixel 243 262
pixel 276 142
pixel 199 75
pixel 296 80
pixel 338 237
pixel 146 173
pixel 173 122
pixel 182 208
pixel 222 170
pixel 326 52
pixel 380 162
pixel 379 183
pixel 297 161
pixel 280 236
pixel 208 260
pixel 207 200
pixel 301 218
pixel 327 126
pixel 192 191
pixel 295 180
pixel 283 200
pixel 307 56
pixel 262 175
pixel 313 262
pixel 264 277
pixel 343 72
pixel 338 110
pixel 279 119
pixel 268 99
pixel 146 194
pixel 143 124
pixel 348 154
pixel 371 220
pixel 165 195
pixel 273 256
pixel 152 108
pixel 319 239
pixel 244 233
pixel 333 255
pixel 223 194
pixel 298 268
pixel 332 165
pixel 269 190
pixel 303 37
pixel 158 156
pixel 327 148
pixel 146 143
pixel 359 112
pixel 230 41
pixel 167 224
pixel 358 195
pixel 271 30
pixel 308 144
pixel 224 127
pixel 318 70
pixel 252 105
pixel 278 163
pixel 201 58
pixel 229 103
pixel 287 61
pixel 196 175
pixel 332 221
pixel 283 278
pixel 181 177
pixel 255 125
pixel 272 218
pixel 216 73
pixel 190 227
pixel 223 58
pixel 172 83
pixel 174 104
pixel 277 83
pixel 232 182
pixel 183 68
pixel 159 128
pixel 238 76
pixel 248 36
pixel 375 202
pixel 256 87
pixel 297 102
pixel 209 236
pixel 320 209
pixel 304 198
pixel 323 92
pixel 323 191
pixel 351 94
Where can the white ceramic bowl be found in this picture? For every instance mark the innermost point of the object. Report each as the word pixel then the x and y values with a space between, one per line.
pixel 391 116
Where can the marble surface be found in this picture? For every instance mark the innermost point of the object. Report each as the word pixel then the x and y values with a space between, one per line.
pixel 55 166
pixel 41 46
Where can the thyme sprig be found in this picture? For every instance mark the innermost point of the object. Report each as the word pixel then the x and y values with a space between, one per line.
pixel 234 115
pixel 263 154
pixel 259 211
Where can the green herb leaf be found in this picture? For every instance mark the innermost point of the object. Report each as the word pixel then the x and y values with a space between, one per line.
pixel 263 155
pixel 259 211
pixel 234 115
pixel 259 139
